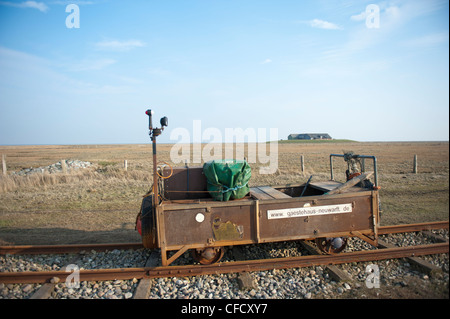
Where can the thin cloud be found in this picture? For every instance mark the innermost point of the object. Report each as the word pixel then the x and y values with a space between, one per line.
pixel 77 2
pixel 428 40
pixel 321 24
pixel 115 45
pixel 159 71
pixel 392 19
pixel 88 65
pixel 27 4
pixel 359 17
pixel 266 61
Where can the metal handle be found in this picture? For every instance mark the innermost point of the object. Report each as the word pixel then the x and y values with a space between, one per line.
pixel 375 170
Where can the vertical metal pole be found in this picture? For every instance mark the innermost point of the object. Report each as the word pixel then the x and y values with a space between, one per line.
pixel 331 167
pixel 375 170
pixel 155 176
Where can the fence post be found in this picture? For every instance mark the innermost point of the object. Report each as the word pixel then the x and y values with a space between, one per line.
pixel 302 162
pixel 125 165
pixel 63 166
pixel 4 164
pixel 415 164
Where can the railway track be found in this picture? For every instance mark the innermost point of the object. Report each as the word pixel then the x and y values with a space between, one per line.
pixel 220 268
pixel 76 248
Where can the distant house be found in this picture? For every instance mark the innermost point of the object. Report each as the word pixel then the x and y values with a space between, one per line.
pixel 310 136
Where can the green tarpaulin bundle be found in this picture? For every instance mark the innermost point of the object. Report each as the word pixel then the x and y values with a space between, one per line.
pixel 227 179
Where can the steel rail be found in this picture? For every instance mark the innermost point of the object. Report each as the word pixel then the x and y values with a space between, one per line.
pixel 76 248
pixel 226 267
pixel 406 228
pixel 65 249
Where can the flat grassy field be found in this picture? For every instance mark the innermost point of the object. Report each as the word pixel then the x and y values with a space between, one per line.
pixel 100 203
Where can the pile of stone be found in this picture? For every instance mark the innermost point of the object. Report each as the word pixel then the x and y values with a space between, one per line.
pixel 60 167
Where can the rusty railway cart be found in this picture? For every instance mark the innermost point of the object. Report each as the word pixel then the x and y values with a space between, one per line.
pixel 185 217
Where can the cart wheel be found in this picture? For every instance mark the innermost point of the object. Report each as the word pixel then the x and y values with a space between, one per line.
pixel 146 223
pixel 208 256
pixel 331 245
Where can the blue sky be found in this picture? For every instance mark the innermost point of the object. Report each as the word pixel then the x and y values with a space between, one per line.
pixel 298 66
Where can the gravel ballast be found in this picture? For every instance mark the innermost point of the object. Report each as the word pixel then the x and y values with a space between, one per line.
pixel 397 277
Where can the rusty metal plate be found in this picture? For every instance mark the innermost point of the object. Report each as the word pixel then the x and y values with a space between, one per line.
pixel 185 227
pixel 227 230
pixel 232 223
pixel 209 226
pixel 185 179
pixel 320 217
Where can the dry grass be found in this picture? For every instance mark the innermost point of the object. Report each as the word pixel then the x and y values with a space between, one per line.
pixel 100 203
pixel 87 177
